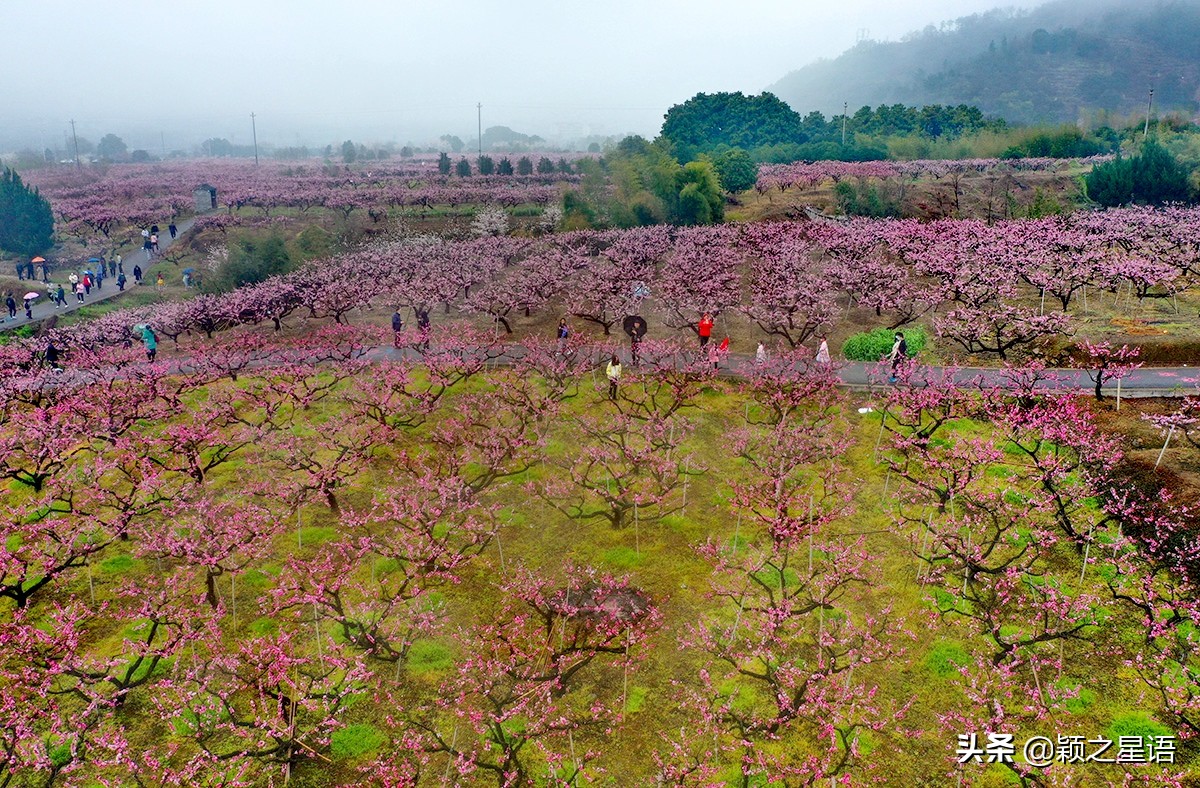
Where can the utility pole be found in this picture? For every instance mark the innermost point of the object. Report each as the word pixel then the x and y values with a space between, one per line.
pixel 162 139
pixel 845 109
pixel 76 139
pixel 479 121
pixel 1149 105
pixel 254 131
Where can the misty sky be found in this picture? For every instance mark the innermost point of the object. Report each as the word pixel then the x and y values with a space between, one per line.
pixel 174 72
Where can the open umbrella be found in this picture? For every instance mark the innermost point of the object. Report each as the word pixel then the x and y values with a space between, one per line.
pixel 138 327
pixel 188 270
pixel 89 272
pixel 93 259
pixel 31 295
pixel 38 260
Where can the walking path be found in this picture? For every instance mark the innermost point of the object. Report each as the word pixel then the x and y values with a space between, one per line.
pixel 44 306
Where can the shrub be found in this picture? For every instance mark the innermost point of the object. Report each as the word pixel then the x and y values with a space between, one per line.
pixel 874 345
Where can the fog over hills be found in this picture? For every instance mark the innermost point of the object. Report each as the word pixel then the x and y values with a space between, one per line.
pixel 1065 61
pixel 166 76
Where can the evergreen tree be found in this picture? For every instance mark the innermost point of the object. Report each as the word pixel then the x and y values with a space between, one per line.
pixel 1152 177
pixel 444 163
pixel 26 222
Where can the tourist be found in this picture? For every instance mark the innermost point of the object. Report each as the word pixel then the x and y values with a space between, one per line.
pixel 121 281
pixel 613 371
pixel 154 243
pixel 51 356
pixel 397 326
pixel 60 296
pixel 120 265
pixel 823 352
pixel 172 229
pixel 898 355
pixel 160 282
pixel 704 328
pixel 87 283
pixel 563 332
pixel 29 306
pixel 11 304
pixel 21 271
pixel 151 342
pixel 423 325
pixel 760 354
pixel 137 274
pixel 79 291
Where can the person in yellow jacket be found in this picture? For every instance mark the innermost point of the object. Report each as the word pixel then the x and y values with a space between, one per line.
pixel 613 371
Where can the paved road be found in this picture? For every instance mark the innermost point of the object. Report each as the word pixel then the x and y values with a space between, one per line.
pixel 44 307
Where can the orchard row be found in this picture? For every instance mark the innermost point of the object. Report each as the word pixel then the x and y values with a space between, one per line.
pixel 995 290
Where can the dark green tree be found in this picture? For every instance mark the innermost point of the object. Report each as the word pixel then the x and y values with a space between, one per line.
pixel 111 148
pixel 463 168
pixel 700 200
pixel 524 166
pixel 705 121
pixel 349 151
pixel 504 167
pixel 251 261
pixel 736 169
pixel 444 163
pixel 1152 177
pixel 545 166
pixel 486 165
pixel 26 222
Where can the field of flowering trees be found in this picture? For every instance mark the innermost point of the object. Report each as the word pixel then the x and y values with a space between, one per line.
pixel 100 208
pixel 289 553
pixel 291 562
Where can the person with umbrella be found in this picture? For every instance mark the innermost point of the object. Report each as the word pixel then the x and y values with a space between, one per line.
pixel 45 268
pixel 30 297
pixel 187 277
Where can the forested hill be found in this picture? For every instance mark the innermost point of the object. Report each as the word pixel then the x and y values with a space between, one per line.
pixel 1059 62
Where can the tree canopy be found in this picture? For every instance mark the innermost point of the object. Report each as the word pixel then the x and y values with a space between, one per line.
pixel 26 222
pixel 1152 177
pixel 736 120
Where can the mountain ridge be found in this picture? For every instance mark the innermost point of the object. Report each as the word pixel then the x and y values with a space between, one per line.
pixel 1060 62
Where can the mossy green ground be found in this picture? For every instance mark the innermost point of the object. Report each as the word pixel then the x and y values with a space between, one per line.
pixel 661 558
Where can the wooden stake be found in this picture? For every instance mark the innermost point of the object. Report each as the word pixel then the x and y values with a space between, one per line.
pixel 1170 432
pixel 1118 393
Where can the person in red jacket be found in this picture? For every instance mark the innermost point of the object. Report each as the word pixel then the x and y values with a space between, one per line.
pixel 705 328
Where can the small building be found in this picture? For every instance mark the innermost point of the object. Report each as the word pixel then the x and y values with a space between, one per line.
pixel 205 197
